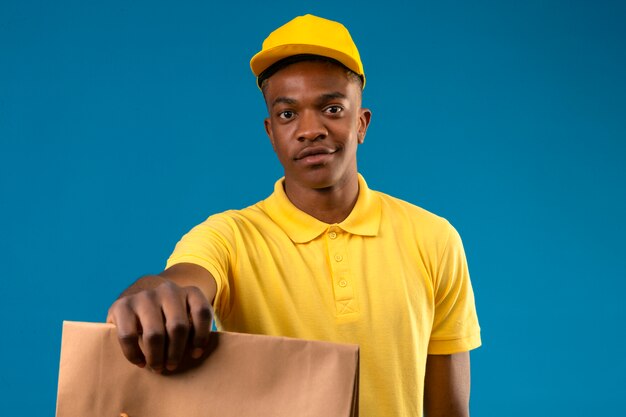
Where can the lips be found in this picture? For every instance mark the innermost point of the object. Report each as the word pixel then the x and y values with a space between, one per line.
pixel 314 150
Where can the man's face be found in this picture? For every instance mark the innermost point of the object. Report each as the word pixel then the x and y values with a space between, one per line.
pixel 315 123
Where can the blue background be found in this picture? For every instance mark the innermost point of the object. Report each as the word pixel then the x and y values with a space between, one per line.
pixel 123 124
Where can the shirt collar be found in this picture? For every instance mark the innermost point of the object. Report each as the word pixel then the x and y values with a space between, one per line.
pixel 364 219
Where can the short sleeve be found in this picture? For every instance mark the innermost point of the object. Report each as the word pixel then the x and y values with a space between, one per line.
pixel 455 325
pixel 209 245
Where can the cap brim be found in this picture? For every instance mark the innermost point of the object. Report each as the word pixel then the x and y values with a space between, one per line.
pixel 264 59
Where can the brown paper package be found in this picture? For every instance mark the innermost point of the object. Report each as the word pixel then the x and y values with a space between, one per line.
pixel 243 375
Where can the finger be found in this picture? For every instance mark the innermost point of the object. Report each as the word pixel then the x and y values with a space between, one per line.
pixel 201 318
pixel 176 325
pixel 124 318
pixel 150 317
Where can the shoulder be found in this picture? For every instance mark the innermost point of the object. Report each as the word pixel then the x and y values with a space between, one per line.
pixel 405 214
pixel 236 221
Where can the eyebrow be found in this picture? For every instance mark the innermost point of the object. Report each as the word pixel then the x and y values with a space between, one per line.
pixel 322 98
pixel 285 100
pixel 332 96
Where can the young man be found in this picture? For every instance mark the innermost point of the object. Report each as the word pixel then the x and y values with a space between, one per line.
pixel 324 257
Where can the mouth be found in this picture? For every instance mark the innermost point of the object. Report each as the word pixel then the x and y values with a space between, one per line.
pixel 314 151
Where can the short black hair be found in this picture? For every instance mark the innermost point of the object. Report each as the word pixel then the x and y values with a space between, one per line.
pixel 285 62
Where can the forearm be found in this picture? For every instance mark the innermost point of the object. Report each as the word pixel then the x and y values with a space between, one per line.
pixel 191 275
pixel 183 275
pixel 446 413
pixel 447 385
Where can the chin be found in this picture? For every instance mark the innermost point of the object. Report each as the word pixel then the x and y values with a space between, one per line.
pixel 320 179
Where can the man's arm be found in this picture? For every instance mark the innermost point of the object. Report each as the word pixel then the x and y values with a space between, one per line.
pixel 165 312
pixel 447 385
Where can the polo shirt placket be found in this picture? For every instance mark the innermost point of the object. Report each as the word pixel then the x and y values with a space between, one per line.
pixel 342 277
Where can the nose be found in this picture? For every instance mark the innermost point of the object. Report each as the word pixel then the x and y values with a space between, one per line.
pixel 311 127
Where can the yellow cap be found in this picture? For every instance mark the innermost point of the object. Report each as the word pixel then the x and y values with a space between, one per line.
pixel 309 35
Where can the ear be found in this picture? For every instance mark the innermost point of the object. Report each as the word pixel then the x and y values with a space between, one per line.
pixel 268 130
pixel 365 117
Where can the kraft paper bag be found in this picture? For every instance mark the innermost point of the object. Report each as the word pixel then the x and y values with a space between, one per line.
pixel 243 375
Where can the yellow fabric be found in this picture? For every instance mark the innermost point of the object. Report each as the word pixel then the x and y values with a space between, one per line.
pixel 309 34
pixel 392 278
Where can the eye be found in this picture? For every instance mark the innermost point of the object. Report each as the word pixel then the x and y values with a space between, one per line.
pixel 333 109
pixel 287 114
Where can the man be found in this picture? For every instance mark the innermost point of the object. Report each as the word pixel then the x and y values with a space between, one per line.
pixel 324 257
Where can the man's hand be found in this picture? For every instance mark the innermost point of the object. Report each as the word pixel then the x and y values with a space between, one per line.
pixel 167 317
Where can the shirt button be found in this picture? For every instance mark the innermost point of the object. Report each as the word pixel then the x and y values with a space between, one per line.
pixel 338 258
pixel 343 283
pixel 332 235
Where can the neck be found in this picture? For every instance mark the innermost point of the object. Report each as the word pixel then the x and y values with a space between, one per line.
pixel 330 205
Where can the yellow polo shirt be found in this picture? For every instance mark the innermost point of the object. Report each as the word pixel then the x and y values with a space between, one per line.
pixel 391 277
